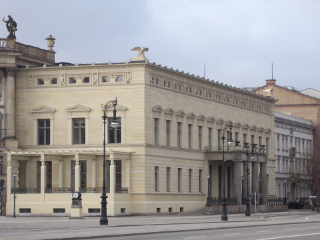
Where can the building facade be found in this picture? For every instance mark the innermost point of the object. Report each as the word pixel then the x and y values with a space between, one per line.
pixel 292 132
pixel 170 138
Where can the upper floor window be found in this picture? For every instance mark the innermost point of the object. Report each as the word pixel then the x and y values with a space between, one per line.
pixel 79 131
pixel 44 131
pixel 114 133
pixel 156 130
pixel 168 122
pixel 179 134
pixel 1 166
pixel 189 136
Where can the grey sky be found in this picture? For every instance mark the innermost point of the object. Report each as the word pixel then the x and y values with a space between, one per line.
pixel 236 40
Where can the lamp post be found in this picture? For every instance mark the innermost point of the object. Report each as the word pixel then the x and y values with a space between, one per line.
pixel 224 216
pixel 246 146
pixel 209 195
pixel 114 124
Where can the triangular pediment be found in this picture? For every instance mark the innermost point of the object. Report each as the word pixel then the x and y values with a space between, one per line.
pixel 157 108
pixel 43 109
pixel 220 121
pixel 78 108
pixel 245 125
pixel 211 119
pixel 118 107
pixel 191 115
pixel 201 117
pixel 237 124
pixel 260 129
pixel 180 113
pixel 169 111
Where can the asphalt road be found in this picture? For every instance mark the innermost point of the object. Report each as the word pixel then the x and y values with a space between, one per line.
pixel 302 231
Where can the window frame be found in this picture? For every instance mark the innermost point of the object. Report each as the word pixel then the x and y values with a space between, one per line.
pixel 78 129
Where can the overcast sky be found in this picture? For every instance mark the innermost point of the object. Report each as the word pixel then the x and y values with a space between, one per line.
pixel 236 40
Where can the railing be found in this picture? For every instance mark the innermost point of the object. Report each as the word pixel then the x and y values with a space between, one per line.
pixel 122 190
pixel 99 190
pixel 25 190
pixel 277 201
pixel 218 201
pixel 27 50
pixel 58 190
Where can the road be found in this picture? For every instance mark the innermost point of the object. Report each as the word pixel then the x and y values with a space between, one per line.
pixel 305 231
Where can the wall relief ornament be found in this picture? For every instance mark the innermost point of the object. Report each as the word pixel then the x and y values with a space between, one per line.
pixel 79 79
pixel 95 78
pixel 177 86
pixel 30 81
pixel 128 77
pixel 62 81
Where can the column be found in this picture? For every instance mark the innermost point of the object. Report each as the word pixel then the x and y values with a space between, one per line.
pixel 60 173
pixel 264 187
pixel 244 185
pixel 94 171
pixel 43 177
pixel 10 101
pixel 128 173
pixel 255 177
pixel 9 177
pixel 112 179
pixel 237 181
pixel 77 173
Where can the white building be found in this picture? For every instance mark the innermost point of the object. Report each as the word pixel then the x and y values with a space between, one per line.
pixel 291 131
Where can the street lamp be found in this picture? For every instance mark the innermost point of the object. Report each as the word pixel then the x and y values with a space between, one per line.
pixel 224 216
pixel 209 195
pixel 114 124
pixel 246 146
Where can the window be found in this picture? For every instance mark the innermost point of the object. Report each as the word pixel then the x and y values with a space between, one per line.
pixel 190 180
pixel 43 131
pixel 38 176
pixel 79 131
pixel 252 139
pixel 24 210
pixel 119 79
pixel 267 145
pixel 245 138
pixel 168 122
pixel 40 82
pixel 72 80
pixel 209 138
pixel 54 81
pixel 118 175
pixel 219 139
pixel 156 130
pixel 179 179
pixel 179 134
pixel 59 210
pixel 83 176
pixel 105 79
pixel 156 179
pixel 200 137
pixel 1 167
pixel 93 210
pixel 282 143
pixel 189 136
pixel 114 133
pixel 168 179
pixel 200 180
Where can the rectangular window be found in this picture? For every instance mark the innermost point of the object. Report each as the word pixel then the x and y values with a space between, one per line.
pixel 38 176
pixel 48 174
pixel 200 180
pixel 260 142
pixel 190 180
pixel 189 136
pixel 24 210
pixel 73 164
pixel 118 175
pixel 209 138
pixel 236 138
pixel 179 134
pixel 156 130
pixel 200 137
pixel 267 145
pixel 79 131
pixel 168 179
pixel 1 166
pixel 179 179
pixel 114 133
pixel 93 210
pixel 282 143
pixel 156 179
pixel 44 131
pixel 59 210
pixel 252 139
pixel 168 132
pixel 244 138
pixel 83 176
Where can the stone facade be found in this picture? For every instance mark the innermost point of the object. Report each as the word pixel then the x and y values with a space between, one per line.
pixel 170 138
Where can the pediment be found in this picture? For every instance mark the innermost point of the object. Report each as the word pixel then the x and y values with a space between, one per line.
pixel 268 130
pixel 118 107
pixel 191 115
pixel 220 121
pixel 201 117
pixel 180 113
pixel 237 124
pixel 78 108
pixel 260 129
pixel 211 119
pixel 228 123
pixel 43 109
pixel 169 111
pixel 245 125
pixel 157 108
pixel 253 127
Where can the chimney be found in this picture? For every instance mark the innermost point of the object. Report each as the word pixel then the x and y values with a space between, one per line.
pixel 271 82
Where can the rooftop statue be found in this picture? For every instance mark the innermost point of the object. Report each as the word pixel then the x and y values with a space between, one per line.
pixel 12 27
pixel 141 50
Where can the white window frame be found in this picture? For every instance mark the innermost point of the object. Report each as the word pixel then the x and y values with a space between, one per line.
pixel 42 112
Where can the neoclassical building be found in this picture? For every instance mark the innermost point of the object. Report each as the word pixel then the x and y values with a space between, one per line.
pixel 169 140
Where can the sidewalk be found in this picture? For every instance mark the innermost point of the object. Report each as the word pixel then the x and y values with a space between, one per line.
pixel 65 228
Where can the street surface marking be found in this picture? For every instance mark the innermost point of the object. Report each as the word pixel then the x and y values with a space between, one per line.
pixel 261 231
pixel 289 229
pixel 292 236
pixel 307 218
pixel 195 237
pixel 232 234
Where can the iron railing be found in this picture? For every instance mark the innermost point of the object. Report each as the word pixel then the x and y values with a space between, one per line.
pixel 218 201
pixel 25 190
